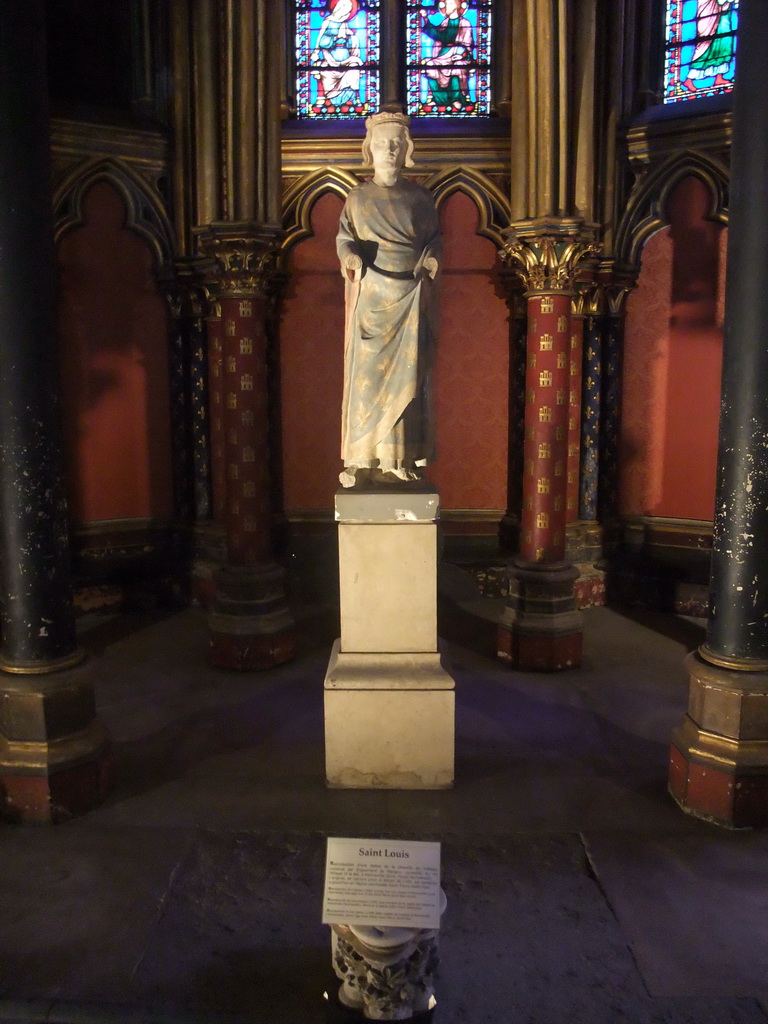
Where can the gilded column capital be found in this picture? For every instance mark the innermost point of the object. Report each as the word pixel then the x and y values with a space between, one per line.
pixel 549 255
pixel 246 258
pixel 185 290
pixel 605 293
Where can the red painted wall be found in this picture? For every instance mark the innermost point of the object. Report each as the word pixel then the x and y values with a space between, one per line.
pixel 672 365
pixel 472 377
pixel 114 367
pixel 311 365
pixel 470 382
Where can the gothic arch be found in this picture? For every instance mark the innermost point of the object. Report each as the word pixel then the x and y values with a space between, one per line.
pixel 646 209
pixel 492 205
pixel 302 196
pixel 145 213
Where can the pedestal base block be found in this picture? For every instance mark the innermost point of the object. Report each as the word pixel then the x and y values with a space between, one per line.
pixel 540 629
pixel 250 624
pixel 718 762
pixel 388 570
pixel 389 721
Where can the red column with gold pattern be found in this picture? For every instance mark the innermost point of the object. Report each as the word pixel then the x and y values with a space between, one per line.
pixel 246 455
pixel 546 423
pixel 540 628
pixel 250 624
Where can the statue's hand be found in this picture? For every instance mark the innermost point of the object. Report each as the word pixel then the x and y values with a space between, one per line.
pixel 430 266
pixel 353 267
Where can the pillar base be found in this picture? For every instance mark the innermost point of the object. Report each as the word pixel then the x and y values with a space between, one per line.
pixel 54 753
pixel 583 542
pixel 509 533
pixel 540 629
pixel 210 555
pixel 718 763
pixel 250 624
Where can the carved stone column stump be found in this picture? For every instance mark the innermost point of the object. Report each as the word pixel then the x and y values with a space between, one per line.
pixel 540 628
pixel 387 973
pixel 249 621
pixel 389 700
pixel 718 761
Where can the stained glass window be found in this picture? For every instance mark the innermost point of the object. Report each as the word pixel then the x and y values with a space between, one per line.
pixel 337 58
pixel 449 58
pixel 700 54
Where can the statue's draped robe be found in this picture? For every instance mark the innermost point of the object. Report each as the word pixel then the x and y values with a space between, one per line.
pixel 391 325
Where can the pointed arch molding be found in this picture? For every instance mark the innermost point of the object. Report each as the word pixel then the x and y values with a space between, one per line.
pixel 646 209
pixel 302 195
pixel 145 212
pixel 492 204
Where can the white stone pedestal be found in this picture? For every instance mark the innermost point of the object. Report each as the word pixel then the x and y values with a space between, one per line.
pixel 389 700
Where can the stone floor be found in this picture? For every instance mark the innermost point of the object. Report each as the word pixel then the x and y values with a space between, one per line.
pixel 577 891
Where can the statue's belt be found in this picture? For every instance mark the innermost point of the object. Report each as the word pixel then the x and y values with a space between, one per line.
pixel 397 275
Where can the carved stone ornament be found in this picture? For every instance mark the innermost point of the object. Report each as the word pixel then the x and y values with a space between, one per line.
pixel 606 292
pixel 185 292
pixel 246 262
pixel 386 982
pixel 548 261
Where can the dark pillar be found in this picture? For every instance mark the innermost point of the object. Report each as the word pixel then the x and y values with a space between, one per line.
pixel 602 303
pixel 509 528
pixel 590 418
pixel 203 551
pixel 719 755
pixel 210 535
pixel 610 420
pixel 52 747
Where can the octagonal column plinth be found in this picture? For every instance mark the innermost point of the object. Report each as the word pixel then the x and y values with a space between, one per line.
pixel 540 628
pixel 54 752
pixel 718 763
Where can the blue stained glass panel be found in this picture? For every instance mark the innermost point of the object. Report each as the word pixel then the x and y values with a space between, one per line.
pixel 449 58
pixel 700 55
pixel 337 58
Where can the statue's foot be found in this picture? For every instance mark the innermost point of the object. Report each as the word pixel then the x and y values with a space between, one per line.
pixel 401 473
pixel 366 478
pixel 347 478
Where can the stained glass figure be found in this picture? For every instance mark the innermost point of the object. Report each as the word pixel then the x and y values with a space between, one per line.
pixel 700 55
pixel 449 58
pixel 337 58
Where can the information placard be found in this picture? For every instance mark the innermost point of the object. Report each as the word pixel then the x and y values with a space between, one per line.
pixel 382 882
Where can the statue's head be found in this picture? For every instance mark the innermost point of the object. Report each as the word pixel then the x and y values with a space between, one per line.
pixel 386 124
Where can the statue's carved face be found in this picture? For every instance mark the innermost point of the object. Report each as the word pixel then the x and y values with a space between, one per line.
pixel 388 147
